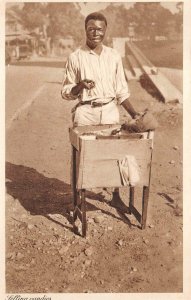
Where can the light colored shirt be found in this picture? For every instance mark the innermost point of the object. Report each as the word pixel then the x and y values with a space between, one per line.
pixel 106 70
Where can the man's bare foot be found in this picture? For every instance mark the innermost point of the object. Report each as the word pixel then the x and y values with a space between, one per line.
pixel 118 203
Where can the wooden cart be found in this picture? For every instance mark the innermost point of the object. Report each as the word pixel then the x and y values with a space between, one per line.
pixel 95 165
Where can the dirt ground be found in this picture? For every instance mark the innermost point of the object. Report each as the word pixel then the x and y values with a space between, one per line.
pixel 43 255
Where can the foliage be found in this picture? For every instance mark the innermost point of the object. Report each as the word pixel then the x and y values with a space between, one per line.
pixel 149 19
pixel 116 16
pixel 33 15
pixel 64 19
pixel 152 19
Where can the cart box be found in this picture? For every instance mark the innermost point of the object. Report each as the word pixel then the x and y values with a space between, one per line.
pixel 98 154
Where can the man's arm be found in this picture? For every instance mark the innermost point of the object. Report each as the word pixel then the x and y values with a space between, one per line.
pixel 129 108
pixel 122 91
pixel 71 78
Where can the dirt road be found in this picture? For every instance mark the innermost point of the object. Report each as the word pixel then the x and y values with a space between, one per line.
pixel 43 255
pixel 22 87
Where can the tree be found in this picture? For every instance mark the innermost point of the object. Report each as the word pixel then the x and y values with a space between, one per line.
pixel 13 15
pixel 33 17
pixel 116 15
pixel 65 20
pixel 50 19
pixel 152 19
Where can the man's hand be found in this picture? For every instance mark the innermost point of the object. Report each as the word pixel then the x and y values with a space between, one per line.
pixel 84 84
pixel 144 122
pixel 87 84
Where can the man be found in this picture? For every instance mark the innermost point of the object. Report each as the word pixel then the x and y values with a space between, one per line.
pixel 95 76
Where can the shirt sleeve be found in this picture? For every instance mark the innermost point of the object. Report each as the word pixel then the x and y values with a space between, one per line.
pixel 122 90
pixel 70 79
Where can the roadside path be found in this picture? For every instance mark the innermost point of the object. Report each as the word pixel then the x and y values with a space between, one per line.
pixel 37 127
pixel 23 85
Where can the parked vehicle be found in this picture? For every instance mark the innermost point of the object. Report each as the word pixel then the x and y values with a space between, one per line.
pixel 18 49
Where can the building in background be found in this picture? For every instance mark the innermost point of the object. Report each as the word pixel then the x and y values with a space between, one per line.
pixel 18 41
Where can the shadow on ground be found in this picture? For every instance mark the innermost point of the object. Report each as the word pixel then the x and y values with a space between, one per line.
pixel 147 84
pixel 37 193
pixel 177 210
pixel 41 195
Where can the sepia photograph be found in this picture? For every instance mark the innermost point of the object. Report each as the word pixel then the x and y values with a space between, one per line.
pixel 93 148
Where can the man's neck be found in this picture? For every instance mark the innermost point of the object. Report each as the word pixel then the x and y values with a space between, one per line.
pixel 97 49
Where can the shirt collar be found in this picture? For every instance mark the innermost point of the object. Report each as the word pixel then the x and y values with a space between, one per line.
pixel 86 48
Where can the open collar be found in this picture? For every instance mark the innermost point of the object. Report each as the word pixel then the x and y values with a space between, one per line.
pixel 87 49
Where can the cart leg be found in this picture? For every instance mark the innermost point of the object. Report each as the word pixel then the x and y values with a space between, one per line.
pixel 83 209
pixel 145 200
pixel 74 182
pixel 131 197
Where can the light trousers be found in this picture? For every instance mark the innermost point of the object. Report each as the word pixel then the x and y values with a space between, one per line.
pixel 88 115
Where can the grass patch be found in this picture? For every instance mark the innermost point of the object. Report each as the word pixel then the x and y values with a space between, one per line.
pixel 168 54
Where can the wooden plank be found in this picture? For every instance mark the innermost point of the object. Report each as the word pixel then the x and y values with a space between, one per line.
pixel 125 136
pixel 131 197
pixel 168 91
pixel 106 174
pixel 84 222
pixel 130 65
pixel 83 129
pixel 164 86
pixel 145 199
pixel 132 61
pixel 141 54
pixel 78 170
pixel 80 164
pixel 97 174
pixel 73 171
pixel 134 66
pixel 117 149
pixel 78 133
pixel 99 166
pixel 146 66
pixel 74 139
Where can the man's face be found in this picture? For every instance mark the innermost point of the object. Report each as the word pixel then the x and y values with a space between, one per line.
pixel 95 32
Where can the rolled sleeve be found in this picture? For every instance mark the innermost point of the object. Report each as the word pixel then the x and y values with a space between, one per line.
pixel 70 79
pixel 122 90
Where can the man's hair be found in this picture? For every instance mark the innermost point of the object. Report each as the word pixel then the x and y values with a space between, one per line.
pixel 95 16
